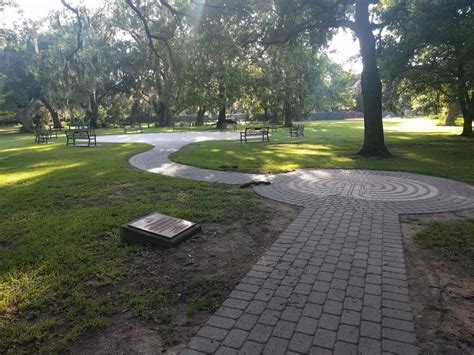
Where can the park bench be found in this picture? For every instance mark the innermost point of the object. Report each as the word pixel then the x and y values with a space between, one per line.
pixel 132 127
pixel 83 134
pixel 252 132
pixel 53 132
pixel 41 136
pixel 297 131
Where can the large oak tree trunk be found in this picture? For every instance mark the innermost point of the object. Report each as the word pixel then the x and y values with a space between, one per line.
pixel 466 102
pixel 163 113
pixel 221 118
pixel 54 114
pixel 453 110
pixel 287 114
pixel 25 116
pixel 374 143
pixel 468 115
pixel 92 112
pixel 200 116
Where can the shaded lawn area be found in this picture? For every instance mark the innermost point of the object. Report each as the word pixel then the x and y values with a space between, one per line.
pixel 419 148
pixel 62 269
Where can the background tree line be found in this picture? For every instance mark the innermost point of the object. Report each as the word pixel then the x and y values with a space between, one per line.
pixel 163 58
pixel 133 58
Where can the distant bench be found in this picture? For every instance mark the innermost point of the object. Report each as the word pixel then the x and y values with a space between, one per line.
pixel 82 134
pixel 252 132
pixel 132 127
pixel 297 130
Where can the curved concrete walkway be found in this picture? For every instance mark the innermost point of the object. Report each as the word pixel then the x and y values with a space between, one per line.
pixel 335 280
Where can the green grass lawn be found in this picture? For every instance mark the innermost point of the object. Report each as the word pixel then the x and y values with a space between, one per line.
pixel 417 146
pixel 62 268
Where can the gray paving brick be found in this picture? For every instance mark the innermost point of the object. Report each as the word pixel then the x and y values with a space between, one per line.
pixel 301 342
pixel 307 325
pixel 203 344
pixel 251 348
pixel 246 321
pixel 270 317
pixel 212 333
pixel 369 346
pixel 348 333
pixel 256 307
pixel 236 338
pixel 291 314
pixel 284 329
pixel 370 330
pixel 350 317
pixel 333 307
pixel 224 350
pixel 221 322
pixel 342 348
pixel 261 333
pixel 276 346
pixel 312 310
pixel 325 338
pixel 399 347
pixel 329 321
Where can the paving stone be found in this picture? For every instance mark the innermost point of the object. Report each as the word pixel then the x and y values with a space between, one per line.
pixel 325 338
pixel 276 346
pixel 284 329
pixel 203 344
pixel 246 321
pixel 329 321
pixel 348 333
pixel 251 348
pixel 270 317
pixel 312 310
pixel 212 333
pixel 333 307
pixel 301 342
pixel 370 330
pixel 399 347
pixel 221 322
pixel 235 338
pixel 342 348
pixel 261 333
pixel 350 317
pixel 307 325
pixel 291 314
pixel 369 346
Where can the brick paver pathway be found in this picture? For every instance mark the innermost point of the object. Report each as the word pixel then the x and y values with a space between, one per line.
pixel 335 281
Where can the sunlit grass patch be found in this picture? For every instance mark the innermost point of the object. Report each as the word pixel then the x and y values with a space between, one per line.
pixel 417 145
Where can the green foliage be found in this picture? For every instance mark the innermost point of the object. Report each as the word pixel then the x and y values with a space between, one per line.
pixel 454 240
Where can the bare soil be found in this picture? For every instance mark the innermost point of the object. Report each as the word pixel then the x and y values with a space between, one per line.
pixel 441 291
pixel 196 277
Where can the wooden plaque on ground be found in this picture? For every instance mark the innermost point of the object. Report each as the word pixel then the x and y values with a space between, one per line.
pixel 158 229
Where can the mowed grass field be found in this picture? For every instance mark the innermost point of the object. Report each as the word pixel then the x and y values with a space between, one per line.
pixel 63 272
pixel 417 145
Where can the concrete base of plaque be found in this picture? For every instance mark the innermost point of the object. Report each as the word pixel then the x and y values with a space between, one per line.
pixel 159 230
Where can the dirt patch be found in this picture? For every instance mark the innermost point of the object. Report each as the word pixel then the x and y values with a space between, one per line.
pixel 441 291
pixel 169 294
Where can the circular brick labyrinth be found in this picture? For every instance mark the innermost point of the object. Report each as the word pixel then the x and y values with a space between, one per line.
pixel 402 191
pixel 360 185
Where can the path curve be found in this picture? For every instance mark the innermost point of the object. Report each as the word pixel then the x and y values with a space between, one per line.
pixel 334 282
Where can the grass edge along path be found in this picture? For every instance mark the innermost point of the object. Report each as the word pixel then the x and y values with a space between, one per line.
pixel 417 145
